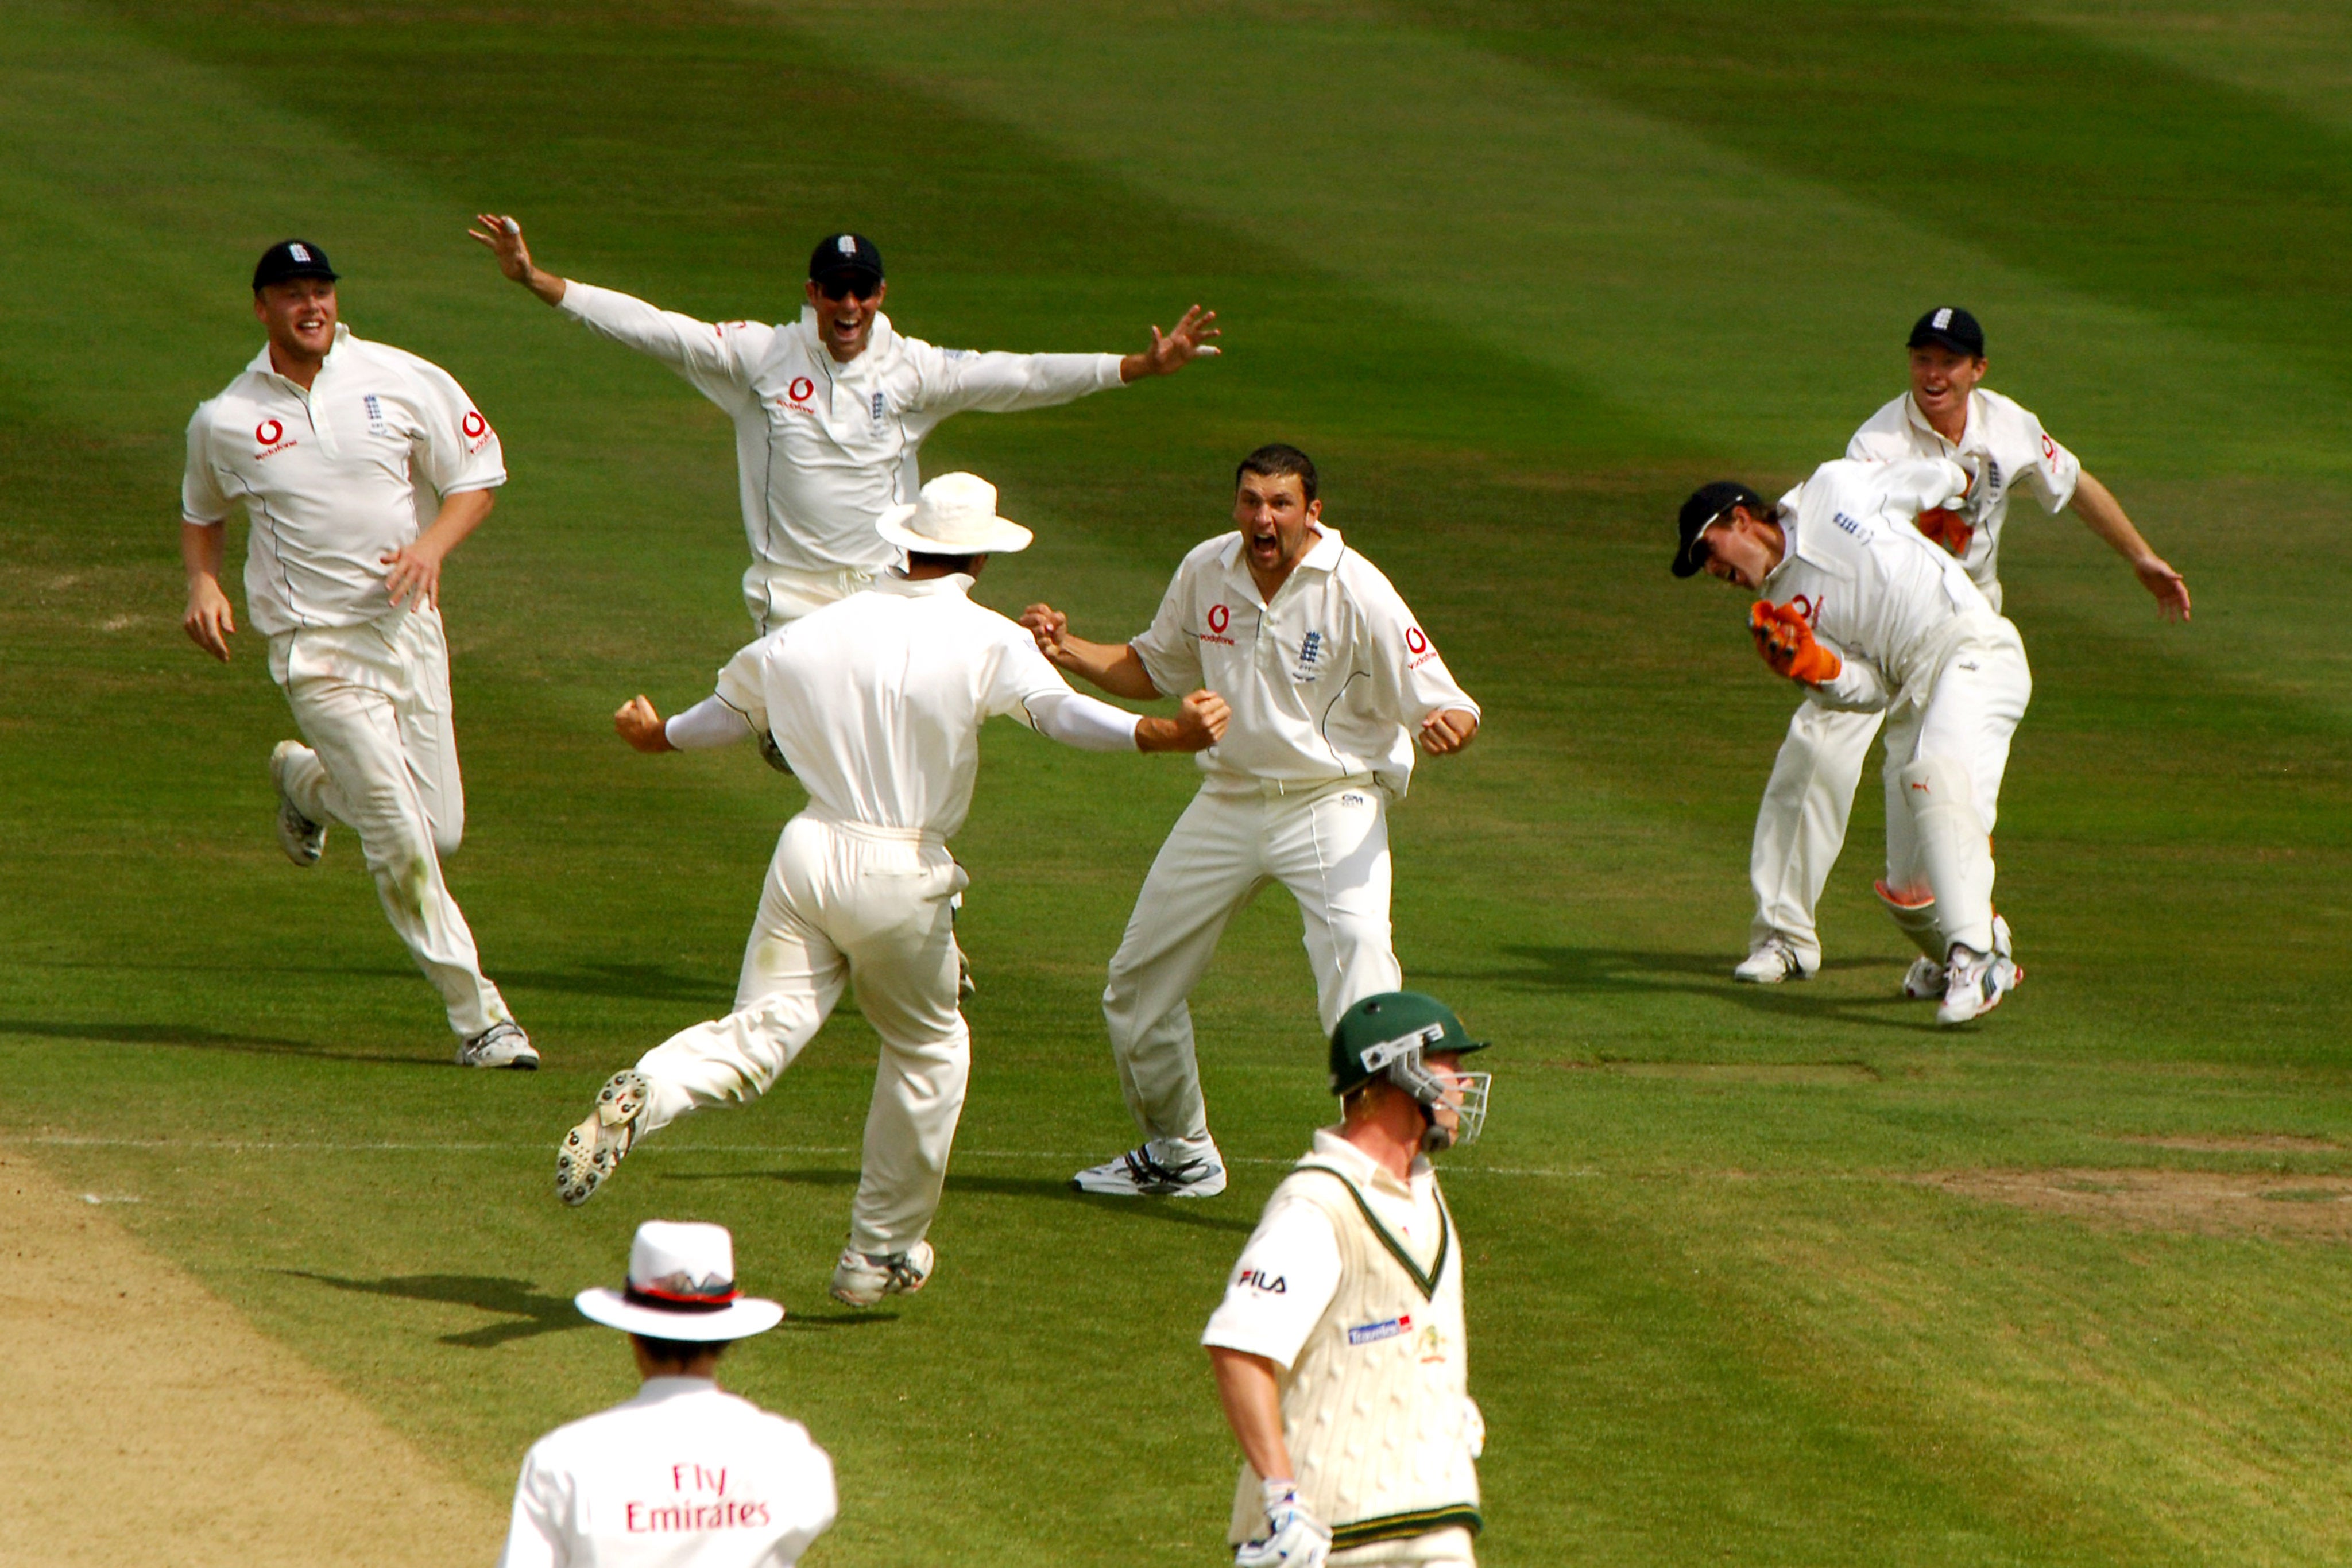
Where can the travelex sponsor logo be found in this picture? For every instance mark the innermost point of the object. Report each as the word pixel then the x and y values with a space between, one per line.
pixel 1220 617
pixel 1259 1280
pixel 1387 1328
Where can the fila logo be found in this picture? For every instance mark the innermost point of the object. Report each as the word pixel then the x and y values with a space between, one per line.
pixel 299 252
pixel 801 388
pixel 1259 1280
pixel 1943 318
pixel 267 432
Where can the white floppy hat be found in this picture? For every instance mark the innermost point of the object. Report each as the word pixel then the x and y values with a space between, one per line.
pixel 955 515
pixel 681 1287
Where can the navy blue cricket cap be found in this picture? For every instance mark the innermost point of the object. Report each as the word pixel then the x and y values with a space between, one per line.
pixel 290 259
pixel 1949 327
pixel 1708 502
pixel 845 256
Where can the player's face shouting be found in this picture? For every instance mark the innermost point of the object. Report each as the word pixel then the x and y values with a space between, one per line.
pixel 299 315
pixel 1941 381
pixel 844 319
pixel 1738 552
pixel 1274 514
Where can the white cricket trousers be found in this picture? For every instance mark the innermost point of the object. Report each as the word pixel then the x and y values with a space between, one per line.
pixel 1944 765
pixel 1328 844
pixel 1800 825
pixel 373 702
pixel 845 904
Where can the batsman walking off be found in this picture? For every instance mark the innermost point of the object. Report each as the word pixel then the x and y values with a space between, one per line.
pixel 1331 680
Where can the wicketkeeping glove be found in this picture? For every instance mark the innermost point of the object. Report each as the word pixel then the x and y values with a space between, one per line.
pixel 1785 638
pixel 1294 1539
pixel 1947 528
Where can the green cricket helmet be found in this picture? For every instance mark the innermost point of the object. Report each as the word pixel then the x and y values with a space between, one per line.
pixel 1389 1036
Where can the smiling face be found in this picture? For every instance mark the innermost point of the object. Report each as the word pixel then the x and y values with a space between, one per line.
pixel 1742 549
pixel 1941 380
pixel 299 316
pixel 1277 520
pixel 845 318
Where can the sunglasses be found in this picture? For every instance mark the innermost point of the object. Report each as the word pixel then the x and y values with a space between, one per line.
pixel 848 287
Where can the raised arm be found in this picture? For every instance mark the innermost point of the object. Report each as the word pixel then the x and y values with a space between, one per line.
pixel 1179 348
pixel 503 235
pixel 1115 667
pixel 704 352
pixel 2104 515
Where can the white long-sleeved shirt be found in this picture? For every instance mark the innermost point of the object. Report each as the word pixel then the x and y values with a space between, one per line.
pixel 335 477
pixel 822 448
pixel 1889 602
pixel 683 1476
pixel 1330 681
pixel 2010 448
pixel 876 701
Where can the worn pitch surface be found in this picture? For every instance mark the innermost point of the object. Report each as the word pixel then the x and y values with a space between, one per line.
pixel 1758 1276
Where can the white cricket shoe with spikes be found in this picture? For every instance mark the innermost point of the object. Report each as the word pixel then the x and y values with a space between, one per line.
pixel 594 1149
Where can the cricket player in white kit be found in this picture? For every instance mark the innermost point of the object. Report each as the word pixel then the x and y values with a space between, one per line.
pixel 334 444
pixel 1801 823
pixel 831 411
pixel 1869 615
pixel 1331 680
pixel 684 1475
pixel 1340 1353
pixel 876 702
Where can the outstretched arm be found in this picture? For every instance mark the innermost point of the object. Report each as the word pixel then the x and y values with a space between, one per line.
pixel 1178 349
pixel 2104 515
pixel 709 724
pixel 1115 667
pixel 503 235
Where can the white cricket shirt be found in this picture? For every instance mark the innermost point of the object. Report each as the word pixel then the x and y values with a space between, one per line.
pixel 683 1476
pixel 335 477
pixel 876 701
pixel 2011 449
pixel 1330 681
pixel 1290 1269
pixel 1891 602
pixel 822 449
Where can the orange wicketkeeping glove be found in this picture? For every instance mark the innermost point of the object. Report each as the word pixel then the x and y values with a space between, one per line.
pixel 1947 528
pixel 1785 640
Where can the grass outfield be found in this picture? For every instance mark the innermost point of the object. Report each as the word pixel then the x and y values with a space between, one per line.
pixel 1750 1279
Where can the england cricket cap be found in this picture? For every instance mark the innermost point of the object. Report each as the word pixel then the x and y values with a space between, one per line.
pixel 1949 326
pixel 290 259
pixel 1380 1029
pixel 844 256
pixel 1708 502
pixel 681 1287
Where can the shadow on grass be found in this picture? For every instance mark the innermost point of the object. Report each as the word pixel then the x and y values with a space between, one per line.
pixel 850 1317
pixel 1634 971
pixel 1173 1211
pixel 790 1178
pixel 639 982
pixel 529 1312
pixel 190 1038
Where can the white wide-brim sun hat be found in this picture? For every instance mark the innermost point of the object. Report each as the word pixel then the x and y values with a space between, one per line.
pixel 681 1287
pixel 955 515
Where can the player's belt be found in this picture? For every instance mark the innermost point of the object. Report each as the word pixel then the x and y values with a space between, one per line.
pixel 1404 1526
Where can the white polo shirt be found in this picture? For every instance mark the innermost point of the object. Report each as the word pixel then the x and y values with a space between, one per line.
pixel 1330 681
pixel 1289 1270
pixel 335 477
pixel 1891 602
pixel 683 1476
pixel 822 448
pixel 876 701
pixel 2011 449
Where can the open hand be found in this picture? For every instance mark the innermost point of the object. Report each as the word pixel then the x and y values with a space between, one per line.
pixel 1171 351
pixel 414 573
pixel 504 237
pixel 2171 592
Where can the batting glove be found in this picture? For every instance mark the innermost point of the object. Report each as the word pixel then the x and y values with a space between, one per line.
pixel 1785 638
pixel 1294 1539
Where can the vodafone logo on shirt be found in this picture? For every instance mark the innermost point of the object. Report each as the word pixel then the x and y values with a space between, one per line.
pixel 1417 648
pixel 270 436
pixel 797 393
pixel 477 430
pixel 1220 617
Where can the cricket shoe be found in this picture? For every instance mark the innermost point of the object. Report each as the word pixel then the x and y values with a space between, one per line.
pixel 1772 962
pixel 1974 984
pixel 593 1150
pixel 1136 1174
pixel 303 839
pixel 503 1044
pixel 862 1279
pixel 1924 982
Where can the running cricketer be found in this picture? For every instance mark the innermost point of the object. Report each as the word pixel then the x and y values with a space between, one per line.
pixel 1868 615
pixel 332 444
pixel 1339 1350
pixel 831 411
pixel 1331 679
pixel 876 702
pixel 1800 826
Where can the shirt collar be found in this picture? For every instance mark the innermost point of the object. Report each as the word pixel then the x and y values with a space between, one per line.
pixel 260 361
pixel 657 1389
pixel 1360 1167
pixel 1321 556
pixel 1919 422
pixel 895 581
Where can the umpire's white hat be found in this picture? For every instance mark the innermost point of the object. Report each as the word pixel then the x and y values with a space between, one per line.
pixel 955 515
pixel 681 1287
